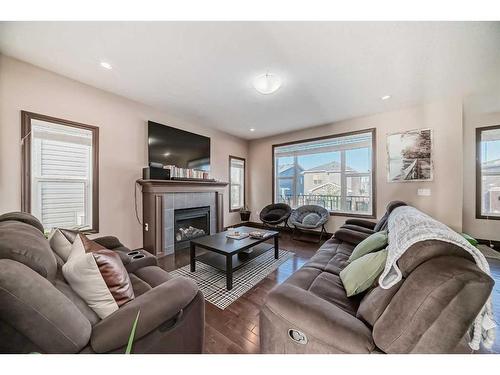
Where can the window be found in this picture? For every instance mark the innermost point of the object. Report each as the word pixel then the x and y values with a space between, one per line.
pixel 60 172
pixel 236 183
pixel 335 172
pixel 488 172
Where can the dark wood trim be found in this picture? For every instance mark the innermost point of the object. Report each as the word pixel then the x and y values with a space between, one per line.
pixel 26 118
pixel 373 215
pixel 244 182
pixel 479 189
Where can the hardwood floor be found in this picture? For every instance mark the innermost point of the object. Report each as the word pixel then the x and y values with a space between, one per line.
pixel 235 330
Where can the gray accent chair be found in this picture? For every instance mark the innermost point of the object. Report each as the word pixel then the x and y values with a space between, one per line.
pixel 40 312
pixel 274 214
pixel 298 215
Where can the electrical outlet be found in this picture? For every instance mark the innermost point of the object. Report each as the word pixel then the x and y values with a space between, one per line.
pixel 424 192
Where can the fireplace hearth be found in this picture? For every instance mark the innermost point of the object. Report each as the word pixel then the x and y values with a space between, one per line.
pixel 190 223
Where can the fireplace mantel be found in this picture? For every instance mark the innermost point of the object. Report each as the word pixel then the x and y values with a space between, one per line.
pixel 153 206
pixel 174 186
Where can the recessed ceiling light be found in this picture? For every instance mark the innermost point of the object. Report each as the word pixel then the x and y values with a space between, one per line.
pixel 106 65
pixel 252 129
pixel 267 83
pixel 385 97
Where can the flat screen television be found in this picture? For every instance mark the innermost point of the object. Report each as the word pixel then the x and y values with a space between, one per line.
pixel 172 146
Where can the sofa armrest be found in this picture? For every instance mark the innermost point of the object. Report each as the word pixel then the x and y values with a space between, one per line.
pixel 109 242
pixel 362 223
pixel 157 306
pixel 350 236
pixel 320 320
pixel 35 309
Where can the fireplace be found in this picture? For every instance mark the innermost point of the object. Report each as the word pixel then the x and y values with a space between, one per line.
pixel 190 223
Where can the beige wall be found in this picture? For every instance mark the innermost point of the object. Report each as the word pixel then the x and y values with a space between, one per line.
pixel 444 117
pixel 123 133
pixel 479 228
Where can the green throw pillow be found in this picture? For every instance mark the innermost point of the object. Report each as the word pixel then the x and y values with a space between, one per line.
pixel 360 275
pixel 373 243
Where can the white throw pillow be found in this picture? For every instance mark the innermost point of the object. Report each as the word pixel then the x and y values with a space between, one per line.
pixel 61 241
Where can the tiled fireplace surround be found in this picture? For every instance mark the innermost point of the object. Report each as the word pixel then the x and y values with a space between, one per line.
pixel 160 199
pixel 175 201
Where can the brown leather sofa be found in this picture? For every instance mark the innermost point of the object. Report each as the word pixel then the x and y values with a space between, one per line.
pixel 39 312
pixel 429 311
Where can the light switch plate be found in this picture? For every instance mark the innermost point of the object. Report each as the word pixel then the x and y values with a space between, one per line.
pixel 424 192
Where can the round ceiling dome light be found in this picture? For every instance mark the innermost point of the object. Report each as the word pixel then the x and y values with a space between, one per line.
pixel 267 83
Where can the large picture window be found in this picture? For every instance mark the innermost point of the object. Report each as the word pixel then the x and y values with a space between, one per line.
pixel 60 172
pixel 236 183
pixel 335 172
pixel 488 172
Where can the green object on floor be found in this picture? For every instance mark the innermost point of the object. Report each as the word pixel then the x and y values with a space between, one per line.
pixel 470 239
pixel 360 275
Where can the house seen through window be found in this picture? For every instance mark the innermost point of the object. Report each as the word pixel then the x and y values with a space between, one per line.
pixel 334 172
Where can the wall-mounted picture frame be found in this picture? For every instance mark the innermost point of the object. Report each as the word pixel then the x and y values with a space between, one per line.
pixel 409 156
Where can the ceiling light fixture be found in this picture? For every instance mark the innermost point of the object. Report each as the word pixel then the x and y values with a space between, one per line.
pixel 267 83
pixel 252 129
pixel 385 97
pixel 106 65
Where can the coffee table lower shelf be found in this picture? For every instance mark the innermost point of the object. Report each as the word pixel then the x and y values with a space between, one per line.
pixel 239 260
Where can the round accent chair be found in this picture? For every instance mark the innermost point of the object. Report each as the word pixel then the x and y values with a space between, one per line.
pixel 275 214
pixel 309 217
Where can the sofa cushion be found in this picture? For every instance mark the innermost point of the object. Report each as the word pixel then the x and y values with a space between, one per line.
pixel 373 243
pixel 26 244
pixel 375 302
pixel 153 275
pixel 331 257
pixel 101 279
pixel 139 285
pixel 77 301
pixel 360 274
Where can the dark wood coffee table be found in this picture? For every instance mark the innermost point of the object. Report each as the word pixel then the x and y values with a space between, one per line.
pixel 228 255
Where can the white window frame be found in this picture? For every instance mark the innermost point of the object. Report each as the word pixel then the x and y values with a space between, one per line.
pixel 241 185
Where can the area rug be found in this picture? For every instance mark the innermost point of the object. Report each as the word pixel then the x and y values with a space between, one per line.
pixel 212 282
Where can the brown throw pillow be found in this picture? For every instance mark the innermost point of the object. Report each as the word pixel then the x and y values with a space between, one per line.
pixel 98 276
pixel 115 275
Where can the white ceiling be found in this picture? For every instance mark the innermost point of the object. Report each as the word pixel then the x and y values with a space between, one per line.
pixel 202 71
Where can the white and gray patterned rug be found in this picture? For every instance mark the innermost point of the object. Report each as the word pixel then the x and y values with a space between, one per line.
pixel 212 282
